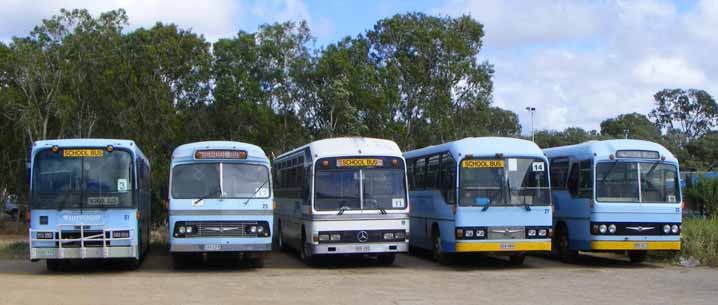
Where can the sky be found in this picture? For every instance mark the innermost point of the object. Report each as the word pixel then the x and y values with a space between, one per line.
pixel 577 62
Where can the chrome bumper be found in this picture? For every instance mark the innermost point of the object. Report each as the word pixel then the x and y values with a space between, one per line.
pixel 358 248
pixel 106 250
pixel 221 248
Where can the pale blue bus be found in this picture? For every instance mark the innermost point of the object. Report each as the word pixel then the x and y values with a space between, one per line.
pixel 89 199
pixel 615 195
pixel 220 201
pixel 486 194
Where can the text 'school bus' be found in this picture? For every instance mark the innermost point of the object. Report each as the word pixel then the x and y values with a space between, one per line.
pixel 615 195
pixel 89 199
pixel 343 196
pixel 220 200
pixel 480 195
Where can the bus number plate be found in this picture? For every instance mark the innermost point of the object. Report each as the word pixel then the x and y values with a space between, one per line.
pixel 640 246
pixel 212 247
pixel 362 248
pixel 507 246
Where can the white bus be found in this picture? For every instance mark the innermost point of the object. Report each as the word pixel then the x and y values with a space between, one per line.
pixel 342 196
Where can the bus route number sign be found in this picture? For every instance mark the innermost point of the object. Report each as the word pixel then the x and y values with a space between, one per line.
pixel 360 162
pixel 482 164
pixel 77 153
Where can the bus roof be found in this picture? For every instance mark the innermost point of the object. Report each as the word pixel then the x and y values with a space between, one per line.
pixel 186 152
pixel 349 146
pixel 128 144
pixel 603 149
pixel 482 147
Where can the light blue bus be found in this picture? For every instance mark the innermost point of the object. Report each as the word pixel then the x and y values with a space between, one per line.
pixel 89 199
pixel 486 194
pixel 220 201
pixel 615 195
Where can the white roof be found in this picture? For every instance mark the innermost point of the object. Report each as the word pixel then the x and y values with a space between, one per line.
pixel 350 146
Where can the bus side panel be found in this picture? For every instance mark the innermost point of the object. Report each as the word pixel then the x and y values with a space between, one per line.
pixel 575 214
pixel 428 209
pixel 290 213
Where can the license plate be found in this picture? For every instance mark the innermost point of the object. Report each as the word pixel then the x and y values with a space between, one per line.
pixel 507 246
pixel 362 248
pixel 640 246
pixel 212 247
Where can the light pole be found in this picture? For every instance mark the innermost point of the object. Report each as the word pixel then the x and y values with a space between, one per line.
pixel 532 110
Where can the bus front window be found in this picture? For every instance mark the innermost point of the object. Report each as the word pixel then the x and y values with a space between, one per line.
pixel 511 181
pixel 383 189
pixel 620 181
pixel 245 181
pixel 192 181
pixel 99 179
pixel 337 189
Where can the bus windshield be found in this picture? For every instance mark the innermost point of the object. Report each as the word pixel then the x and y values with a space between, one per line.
pixel 636 182
pixel 82 178
pixel 356 189
pixel 202 180
pixel 511 181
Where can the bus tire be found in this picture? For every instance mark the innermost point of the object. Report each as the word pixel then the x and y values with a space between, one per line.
pixel 304 254
pixel 517 259
pixel 386 259
pixel 179 261
pixel 280 238
pixel 437 250
pixel 54 265
pixel 637 257
pixel 563 250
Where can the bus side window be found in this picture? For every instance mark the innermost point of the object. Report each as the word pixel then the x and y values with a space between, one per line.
pixel 432 173
pixel 419 173
pixel 572 183
pixel 448 178
pixel 559 173
pixel 585 181
pixel 306 185
pixel 410 173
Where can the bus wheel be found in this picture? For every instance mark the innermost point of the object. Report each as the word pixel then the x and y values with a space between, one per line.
pixel 54 265
pixel 517 259
pixel 564 251
pixel 637 257
pixel 386 259
pixel 438 252
pixel 304 254
pixel 280 239
pixel 179 261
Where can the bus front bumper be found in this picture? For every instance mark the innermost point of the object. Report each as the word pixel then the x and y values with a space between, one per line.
pixel 504 246
pixel 360 248
pixel 213 247
pixel 83 253
pixel 635 245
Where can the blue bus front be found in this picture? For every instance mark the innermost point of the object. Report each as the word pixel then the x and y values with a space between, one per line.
pixel 83 203
pixel 636 206
pixel 503 206
pixel 220 201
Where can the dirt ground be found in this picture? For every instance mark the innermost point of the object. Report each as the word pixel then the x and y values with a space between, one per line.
pixel 412 280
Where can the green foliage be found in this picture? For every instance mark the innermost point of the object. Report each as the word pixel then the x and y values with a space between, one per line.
pixel 704 195
pixel 637 125
pixel 14 250
pixel 693 112
pixel 569 136
pixel 699 240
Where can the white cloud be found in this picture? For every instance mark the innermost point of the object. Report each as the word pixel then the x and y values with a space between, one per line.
pixel 212 18
pixel 582 62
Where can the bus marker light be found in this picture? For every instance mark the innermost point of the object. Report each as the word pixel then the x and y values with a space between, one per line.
pixel 459 233
pixel 590 204
pixel 27 216
pixel 325 163
pixel 110 148
pixel 137 214
pixel 274 205
pixel 55 148
pixel 611 156
pixel 395 163
pixel 315 238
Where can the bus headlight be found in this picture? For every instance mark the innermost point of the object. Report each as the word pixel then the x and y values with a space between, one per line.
pixel 121 234
pixel 189 230
pixel 542 232
pixel 260 229
pixel 532 233
pixel 336 237
pixel 44 235
pixel 182 229
pixel 388 236
pixel 612 228
pixel 253 229
pixel 602 229
pixel 399 235
pixel 674 229
pixel 480 233
pixel 666 229
pixel 469 233
pixel 323 237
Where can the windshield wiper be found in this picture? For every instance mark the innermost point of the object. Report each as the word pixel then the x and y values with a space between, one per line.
pixel 342 209
pixel 256 191
pixel 208 195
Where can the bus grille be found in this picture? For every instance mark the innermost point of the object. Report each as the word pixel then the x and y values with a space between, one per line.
pixel 221 228
pixel 506 233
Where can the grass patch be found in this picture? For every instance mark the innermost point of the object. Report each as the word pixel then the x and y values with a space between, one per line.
pixel 699 240
pixel 14 250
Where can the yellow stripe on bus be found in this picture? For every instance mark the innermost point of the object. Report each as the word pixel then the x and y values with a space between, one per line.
pixel 636 245
pixel 503 246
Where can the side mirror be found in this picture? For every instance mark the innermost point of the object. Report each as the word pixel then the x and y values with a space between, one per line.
pixel 480 201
